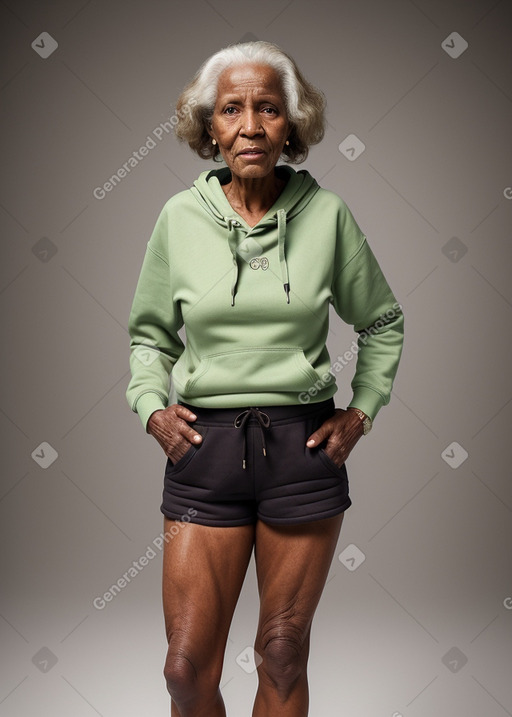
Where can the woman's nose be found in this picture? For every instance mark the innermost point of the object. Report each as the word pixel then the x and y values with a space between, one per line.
pixel 250 123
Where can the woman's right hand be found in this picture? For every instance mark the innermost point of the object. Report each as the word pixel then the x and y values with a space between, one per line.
pixel 170 428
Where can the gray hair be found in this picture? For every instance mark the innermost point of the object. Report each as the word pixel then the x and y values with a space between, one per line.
pixel 305 105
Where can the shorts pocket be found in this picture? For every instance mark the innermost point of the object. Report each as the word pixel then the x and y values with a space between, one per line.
pixel 339 470
pixel 174 468
pixel 314 424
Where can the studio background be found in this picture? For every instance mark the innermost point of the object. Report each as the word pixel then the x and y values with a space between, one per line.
pixel 416 617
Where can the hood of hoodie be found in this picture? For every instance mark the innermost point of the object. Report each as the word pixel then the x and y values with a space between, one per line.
pixel 298 191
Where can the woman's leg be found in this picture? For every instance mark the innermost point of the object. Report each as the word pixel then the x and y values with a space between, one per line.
pixel 292 564
pixel 203 573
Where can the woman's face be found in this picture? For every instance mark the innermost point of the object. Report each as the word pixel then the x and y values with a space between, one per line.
pixel 249 120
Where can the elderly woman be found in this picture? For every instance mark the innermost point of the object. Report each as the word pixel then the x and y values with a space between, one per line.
pixel 248 261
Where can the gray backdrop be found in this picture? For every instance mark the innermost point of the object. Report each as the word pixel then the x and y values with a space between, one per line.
pixel 416 618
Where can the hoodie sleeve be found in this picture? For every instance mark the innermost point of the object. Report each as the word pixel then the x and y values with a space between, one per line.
pixel 153 325
pixel 363 298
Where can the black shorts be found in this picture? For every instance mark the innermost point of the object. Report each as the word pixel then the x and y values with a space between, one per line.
pixel 283 482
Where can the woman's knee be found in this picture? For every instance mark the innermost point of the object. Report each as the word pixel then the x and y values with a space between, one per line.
pixel 187 679
pixel 284 653
pixel 180 677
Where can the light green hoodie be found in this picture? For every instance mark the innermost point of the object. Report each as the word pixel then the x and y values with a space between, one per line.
pixel 255 303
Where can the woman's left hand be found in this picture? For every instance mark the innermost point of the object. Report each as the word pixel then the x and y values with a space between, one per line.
pixel 342 431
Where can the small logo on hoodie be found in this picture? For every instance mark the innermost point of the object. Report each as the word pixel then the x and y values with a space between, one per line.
pixel 259 261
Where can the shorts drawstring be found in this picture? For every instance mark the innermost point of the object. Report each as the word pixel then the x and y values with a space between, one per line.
pixel 263 422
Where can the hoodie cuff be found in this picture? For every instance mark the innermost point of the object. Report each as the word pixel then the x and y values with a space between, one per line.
pixel 147 404
pixel 367 400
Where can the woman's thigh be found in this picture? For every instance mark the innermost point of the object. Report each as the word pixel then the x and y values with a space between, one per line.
pixel 292 564
pixel 203 572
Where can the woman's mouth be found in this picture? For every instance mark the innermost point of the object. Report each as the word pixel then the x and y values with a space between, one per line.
pixel 251 153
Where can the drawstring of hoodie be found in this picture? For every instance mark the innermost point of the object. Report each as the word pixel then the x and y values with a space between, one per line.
pixel 232 223
pixel 281 237
pixel 263 422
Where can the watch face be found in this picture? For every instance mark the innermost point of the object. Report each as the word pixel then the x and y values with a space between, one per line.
pixel 367 425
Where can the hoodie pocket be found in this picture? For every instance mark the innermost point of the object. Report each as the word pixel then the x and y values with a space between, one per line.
pixel 250 370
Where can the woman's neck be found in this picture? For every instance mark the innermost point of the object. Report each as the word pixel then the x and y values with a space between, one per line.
pixel 252 198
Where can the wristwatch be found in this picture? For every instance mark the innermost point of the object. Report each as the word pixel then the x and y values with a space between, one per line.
pixel 366 420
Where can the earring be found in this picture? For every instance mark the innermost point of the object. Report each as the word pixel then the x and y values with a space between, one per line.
pixel 287 143
pixel 214 141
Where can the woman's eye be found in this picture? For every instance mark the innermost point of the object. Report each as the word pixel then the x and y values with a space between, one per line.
pixel 269 110
pixel 230 110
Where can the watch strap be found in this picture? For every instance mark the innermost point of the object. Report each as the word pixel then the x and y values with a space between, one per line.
pixel 365 420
